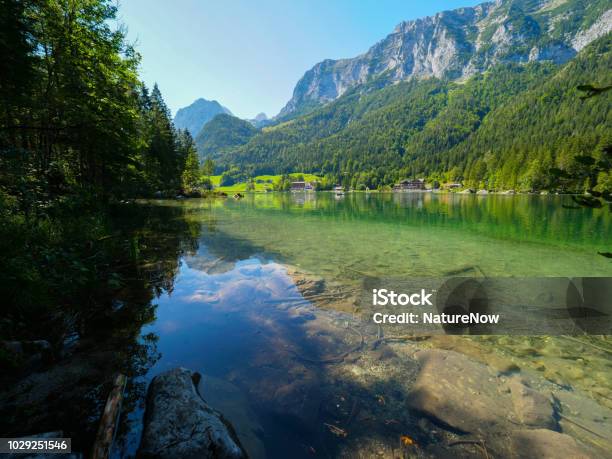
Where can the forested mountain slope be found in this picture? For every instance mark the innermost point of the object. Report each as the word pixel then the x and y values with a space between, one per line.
pixel 222 132
pixel 503 128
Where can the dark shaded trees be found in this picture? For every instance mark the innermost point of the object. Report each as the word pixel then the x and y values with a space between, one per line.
pixel 78 132
pixel 74 114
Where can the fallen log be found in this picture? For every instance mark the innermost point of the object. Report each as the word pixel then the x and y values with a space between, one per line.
pixel 108 422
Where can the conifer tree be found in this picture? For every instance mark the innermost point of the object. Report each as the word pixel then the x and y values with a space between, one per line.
pixel 191 170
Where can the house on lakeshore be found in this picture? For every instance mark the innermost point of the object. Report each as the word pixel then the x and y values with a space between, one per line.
pixel 302 186
pixel 410 185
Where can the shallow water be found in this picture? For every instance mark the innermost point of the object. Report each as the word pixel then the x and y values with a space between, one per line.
pixel 412 234
pixel 231 312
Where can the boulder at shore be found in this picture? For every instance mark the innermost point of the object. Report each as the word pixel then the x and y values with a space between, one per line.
pixel 178 423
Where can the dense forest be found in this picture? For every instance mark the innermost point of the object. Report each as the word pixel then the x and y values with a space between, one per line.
pixel 74 113
pixel 504 129
pixel 222 132
pixel 79 133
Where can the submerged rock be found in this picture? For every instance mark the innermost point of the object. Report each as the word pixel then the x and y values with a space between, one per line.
pixel 470 397
pixel 233 403
pixel 459 392
pixel 306 283
pixel 180 424
pixel 545 444
pixel 585 420
pixel 531 407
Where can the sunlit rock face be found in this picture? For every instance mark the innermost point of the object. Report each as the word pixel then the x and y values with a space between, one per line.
pixel 460 43
pixel 601 27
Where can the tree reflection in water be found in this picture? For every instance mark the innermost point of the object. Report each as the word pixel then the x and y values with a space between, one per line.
pixel 103 337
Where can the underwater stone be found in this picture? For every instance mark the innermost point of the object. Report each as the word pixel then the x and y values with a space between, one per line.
pixel 532 408
pixel 545 444
pixel 459 392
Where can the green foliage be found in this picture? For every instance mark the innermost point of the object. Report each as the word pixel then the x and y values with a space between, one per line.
pixel 78 133
pixel 284 184
pixel 206 183
pixel 208 168
pixel 232 176
pixel 191 172
pixel 589 174
pixel 74 114
pixel 543 127
pixel 326 183
pixel 222 132
pixel 162 152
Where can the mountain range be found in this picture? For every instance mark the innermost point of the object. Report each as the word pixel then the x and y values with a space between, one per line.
pixel 486 95
pixel 461 43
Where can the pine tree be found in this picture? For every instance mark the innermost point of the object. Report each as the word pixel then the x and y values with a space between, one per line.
pixel 163 164
pixel 191 171
pixel 208 168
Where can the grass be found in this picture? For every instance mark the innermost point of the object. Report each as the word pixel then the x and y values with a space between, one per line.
pixel 261 182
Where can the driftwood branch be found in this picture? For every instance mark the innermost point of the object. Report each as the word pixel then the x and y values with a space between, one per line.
pixel 108 422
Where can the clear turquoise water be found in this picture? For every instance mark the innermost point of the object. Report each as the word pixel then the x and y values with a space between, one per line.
pixel 411 234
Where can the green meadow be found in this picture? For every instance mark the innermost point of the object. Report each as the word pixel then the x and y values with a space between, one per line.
pixel 262 182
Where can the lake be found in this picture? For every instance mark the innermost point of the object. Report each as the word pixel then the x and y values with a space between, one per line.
pixel 409 234
pixel 257 304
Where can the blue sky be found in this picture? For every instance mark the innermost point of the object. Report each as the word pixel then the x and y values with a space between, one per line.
pixel 249 55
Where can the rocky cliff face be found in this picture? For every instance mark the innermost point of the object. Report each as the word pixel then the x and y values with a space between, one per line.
pixel 195 116
pixel 457 44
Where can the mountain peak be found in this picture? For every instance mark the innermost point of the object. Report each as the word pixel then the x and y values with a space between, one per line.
pixel 459 43
pixel 260 120
pixel 197 114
